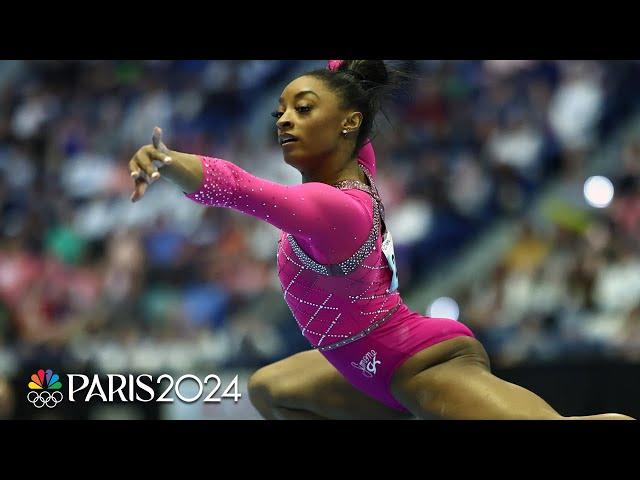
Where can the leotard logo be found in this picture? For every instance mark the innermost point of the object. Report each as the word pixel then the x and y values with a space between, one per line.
pixel 368 364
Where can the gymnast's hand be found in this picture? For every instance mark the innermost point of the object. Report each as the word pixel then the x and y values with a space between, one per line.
pixel 141 167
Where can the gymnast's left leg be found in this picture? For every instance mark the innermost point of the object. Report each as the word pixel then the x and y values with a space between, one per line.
pixel 306 386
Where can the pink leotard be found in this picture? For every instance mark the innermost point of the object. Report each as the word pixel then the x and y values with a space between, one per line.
pixel 334 276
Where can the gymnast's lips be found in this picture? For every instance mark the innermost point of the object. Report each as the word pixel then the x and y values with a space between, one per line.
pixel 286 139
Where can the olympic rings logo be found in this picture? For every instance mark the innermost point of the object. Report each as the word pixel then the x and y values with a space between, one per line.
pixel 40 399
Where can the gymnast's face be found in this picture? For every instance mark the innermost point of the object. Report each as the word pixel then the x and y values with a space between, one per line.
pixel 310 121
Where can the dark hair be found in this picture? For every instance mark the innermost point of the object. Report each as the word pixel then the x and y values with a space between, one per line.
pixel 363 85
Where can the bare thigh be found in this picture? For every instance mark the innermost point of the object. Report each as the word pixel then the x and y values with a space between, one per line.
pixel 453 380
pixel 307 382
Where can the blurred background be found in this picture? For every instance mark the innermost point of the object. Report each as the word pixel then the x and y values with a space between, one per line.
pixel 511 189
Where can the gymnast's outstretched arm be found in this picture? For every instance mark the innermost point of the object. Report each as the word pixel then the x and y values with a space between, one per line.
pixel 330 224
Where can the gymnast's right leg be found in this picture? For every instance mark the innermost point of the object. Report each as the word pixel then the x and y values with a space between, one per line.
pixel 453 380
pixel 306 386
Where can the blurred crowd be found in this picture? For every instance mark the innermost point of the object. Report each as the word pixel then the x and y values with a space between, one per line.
pixel 87 276
pixel 569 288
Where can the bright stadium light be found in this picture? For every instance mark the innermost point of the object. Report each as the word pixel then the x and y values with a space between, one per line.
pixel 598 191
pixel 444 307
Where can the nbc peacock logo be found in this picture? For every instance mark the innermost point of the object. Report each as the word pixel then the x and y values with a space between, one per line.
pixel 45 386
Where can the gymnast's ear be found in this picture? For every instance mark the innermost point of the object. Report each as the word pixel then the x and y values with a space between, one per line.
pixel 352 121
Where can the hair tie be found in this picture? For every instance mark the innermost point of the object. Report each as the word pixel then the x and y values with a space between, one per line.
pixel 334 65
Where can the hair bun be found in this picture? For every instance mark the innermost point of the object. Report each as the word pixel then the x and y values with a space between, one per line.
pixel 372 73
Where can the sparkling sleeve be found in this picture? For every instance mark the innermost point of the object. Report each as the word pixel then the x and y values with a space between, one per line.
pixel 330 223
